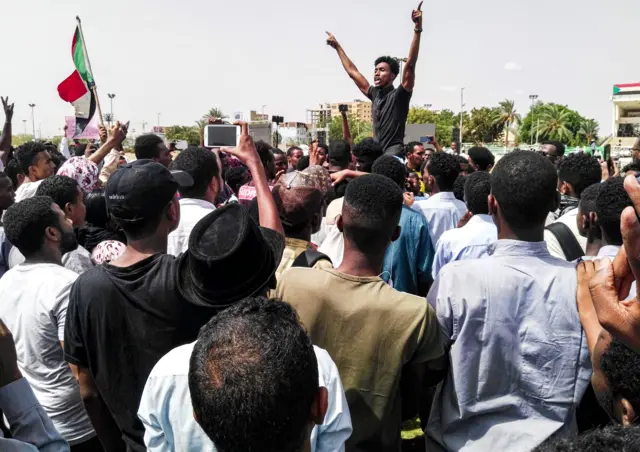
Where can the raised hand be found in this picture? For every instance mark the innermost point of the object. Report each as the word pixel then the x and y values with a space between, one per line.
pixel 313 153
pixel 8 108
pixel 102 133
pixel 118 132
pixel 246 150
pixel 331 40
pixel 416 16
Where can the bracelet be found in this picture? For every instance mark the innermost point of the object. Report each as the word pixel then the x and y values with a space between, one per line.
pixel 418 30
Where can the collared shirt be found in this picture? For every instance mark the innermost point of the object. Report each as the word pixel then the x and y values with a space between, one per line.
pixel 443 212
pixel 31 428
pixel 27 189
pixel 468 242
pixel 569 219
pixel 408 260
pixel 167 413
pixel 389 110
pixel 191 211
pixel 519 361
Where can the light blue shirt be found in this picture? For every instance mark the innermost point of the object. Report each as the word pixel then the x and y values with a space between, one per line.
pixel 468 242
pixel 167 413
pixel 443 212
pixel 519 361
pixel 31 428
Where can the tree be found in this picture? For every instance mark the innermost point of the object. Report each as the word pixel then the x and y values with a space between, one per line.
pixel 108 118
pixel 572 121
pixel 215 113
pixel 589 129
pixel 183 133
pixel 507 117
pixel 480 126
pixel 359 129
pixel 555 124
pixel 277 139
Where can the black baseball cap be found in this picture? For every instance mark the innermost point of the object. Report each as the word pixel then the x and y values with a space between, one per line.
pixel 141 189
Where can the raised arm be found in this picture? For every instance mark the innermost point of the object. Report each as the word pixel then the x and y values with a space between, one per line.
pixel 409 73
pixel 5 138
pixel 346 132
pixel 117 136
pixel 359 79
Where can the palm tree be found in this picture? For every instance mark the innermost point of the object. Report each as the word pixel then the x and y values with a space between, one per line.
pixel 589 129
pixel 554 123
pixel 201 123
pixel 507 117
pixel 215 113
pixel 108 118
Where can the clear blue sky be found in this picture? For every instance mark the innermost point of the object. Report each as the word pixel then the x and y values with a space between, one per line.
pixel 182 57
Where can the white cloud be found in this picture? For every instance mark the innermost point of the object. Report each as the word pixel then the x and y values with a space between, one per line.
pixel 448 88
pixel 512 66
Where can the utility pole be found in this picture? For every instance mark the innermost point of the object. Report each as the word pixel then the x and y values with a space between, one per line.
pixel 533 98
pixel 144 124
pixel 158 122
pixel 33 120
pixel 111 96
pixel 24 123
pixel 461 112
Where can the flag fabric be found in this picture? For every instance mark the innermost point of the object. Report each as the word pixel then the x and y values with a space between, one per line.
pixel 628 88
pixel 77 88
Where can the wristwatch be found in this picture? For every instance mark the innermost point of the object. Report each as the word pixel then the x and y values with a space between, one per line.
pixel 418 30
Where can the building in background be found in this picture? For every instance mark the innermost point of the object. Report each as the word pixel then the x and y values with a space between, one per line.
pixel 358 109
pixel 293 134
pixel 250 116
pixel 626 117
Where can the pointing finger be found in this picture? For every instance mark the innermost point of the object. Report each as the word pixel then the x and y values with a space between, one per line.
pixel 420 6
pixel 244 127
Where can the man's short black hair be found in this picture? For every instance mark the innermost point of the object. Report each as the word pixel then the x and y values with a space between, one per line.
pixel 202 166
pixel 589 198
pixel 559 146
pixel 367 150
pixel 458 187
pixel 26 154
pixel 390 167
pixel 324 146
pixel 13 170
pixel 409 147
pixel 392 62
pixel 293 148
pixel 621 367
pixel 25 223
pixel 277 151
pixel 236 177
pixel 482 157
pixel 62 189
pixel 78 150
pixel 613 438
pixel 612 200
pixel 444 168
pixel 525 185
pixel 633 166
pixel 579 170
pixel 146 146
pixel 371 211
pixel 339 153
pixel 477 188
pixel 253 378
pixel 264 151
pixel 303 163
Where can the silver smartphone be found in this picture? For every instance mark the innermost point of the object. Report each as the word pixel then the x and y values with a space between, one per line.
pixel 221 136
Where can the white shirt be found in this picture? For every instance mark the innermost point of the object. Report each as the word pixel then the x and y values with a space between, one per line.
pixel 468 242
pixel 78 260
pixel 64 147
pixel 443 212
pixel 191 211
pixel 167 413
pixel 27 190
pixel 34 307
pixel 553 245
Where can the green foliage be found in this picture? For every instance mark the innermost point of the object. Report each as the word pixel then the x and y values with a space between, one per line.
pixel 507 117
pixel 187 133
pixel 557 122
pixel 480 127
pixel 214 113
pixel 589 130
pixel 19 139
pixel 445 121
pixel 359 129
pixel 55 140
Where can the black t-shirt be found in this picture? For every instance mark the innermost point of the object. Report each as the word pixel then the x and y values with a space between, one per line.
pixel 390 110
pixel 120 322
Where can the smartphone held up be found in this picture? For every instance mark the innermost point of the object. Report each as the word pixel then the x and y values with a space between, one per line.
pixel 221 136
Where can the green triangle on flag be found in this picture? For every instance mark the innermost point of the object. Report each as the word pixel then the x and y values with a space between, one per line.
pixel 616 90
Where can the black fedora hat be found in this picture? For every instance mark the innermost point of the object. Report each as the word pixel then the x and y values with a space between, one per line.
pixel 230 257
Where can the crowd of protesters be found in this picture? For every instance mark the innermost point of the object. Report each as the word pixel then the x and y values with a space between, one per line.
pixel 252 299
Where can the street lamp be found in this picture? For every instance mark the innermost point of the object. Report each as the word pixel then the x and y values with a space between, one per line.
pixel 533 98
pixel 24 123
pixel 111 96
pixel 461 112
pixel 158 122
pixel 33 120
pixel 401 62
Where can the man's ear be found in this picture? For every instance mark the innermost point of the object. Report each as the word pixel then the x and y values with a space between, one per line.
pixel 396 233
pixel 340 223
pixel 564 188
pixel 493 205
pixel 52 234
pixel 173 213
pixel 319 406
pixel 68 210
pixel 628 414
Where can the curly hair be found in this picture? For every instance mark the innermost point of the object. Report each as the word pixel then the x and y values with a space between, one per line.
pixel 394 66
pixel 444 168
pixel 477 188
pixel 62 189
pixel 458 187
pixel 390 167
pixel 482 157
pixel 25 223
pixel 27 153
pixel 525 185
pixel 556 144
pixel 613 438
pixel 621 367
pixel 339 153
pixel 202 165
pixel 612 200
pixel 366 152
pixel 146 146
pixel 579 170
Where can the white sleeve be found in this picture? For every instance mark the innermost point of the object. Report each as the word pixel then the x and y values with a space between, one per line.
pixel 553 245
pixel 154 436
pixel 59 309
pixel 442 256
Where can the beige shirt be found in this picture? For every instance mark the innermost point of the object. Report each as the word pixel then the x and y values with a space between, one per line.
pixel 293 249
pixel 371 331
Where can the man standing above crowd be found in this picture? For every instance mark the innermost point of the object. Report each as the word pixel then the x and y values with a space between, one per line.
pixel 390 106
pixel 519 362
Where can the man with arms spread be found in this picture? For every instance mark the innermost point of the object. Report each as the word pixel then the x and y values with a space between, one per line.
pixel 375 334
pixel 519 362
pixel 390 106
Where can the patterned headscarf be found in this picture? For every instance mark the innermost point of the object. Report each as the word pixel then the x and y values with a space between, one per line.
pixel 107 251
pixel 84 171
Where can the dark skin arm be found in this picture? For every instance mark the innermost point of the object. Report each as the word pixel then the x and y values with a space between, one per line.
pixel 415 380
pixel 101 418
pixel 409 73
pixel 5 138
pixel 346 132
pixel 359 79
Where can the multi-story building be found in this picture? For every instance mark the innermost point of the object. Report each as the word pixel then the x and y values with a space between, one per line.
pixel 359 109
pixel 293 133
pixel 626 117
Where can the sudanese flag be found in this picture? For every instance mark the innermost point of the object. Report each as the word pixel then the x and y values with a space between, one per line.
pixel 77 88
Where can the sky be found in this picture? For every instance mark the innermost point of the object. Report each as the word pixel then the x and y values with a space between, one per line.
pixel 180 58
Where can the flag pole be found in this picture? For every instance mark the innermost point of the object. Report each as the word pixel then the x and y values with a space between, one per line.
pixel 86 55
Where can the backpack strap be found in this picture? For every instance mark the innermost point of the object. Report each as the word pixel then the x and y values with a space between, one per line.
pixel 310 258
pixel 568 242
